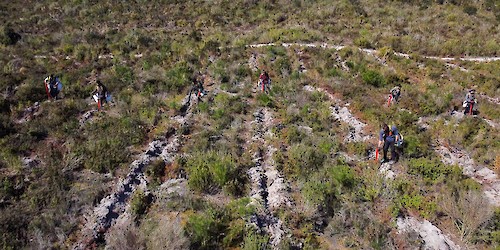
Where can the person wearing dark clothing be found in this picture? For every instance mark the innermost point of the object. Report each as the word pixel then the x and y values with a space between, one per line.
pixel 53 86
pixel 197 89
pixel 100 93
pixel 264 81
pixel 387 139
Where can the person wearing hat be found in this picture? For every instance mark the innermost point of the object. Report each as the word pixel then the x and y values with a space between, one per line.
pixel 470 102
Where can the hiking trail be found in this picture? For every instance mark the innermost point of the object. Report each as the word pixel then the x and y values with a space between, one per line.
pixel 356 127
pixel 115 205
pixel 269 190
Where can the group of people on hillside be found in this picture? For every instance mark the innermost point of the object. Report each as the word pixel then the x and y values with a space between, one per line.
pixel 53 87
pixel 389 137
pixel 198 80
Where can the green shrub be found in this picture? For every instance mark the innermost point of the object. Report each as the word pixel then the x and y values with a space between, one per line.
pixel 292 134
pixel 31 91
pixel 178 77
pixel 373 78
pixel 8 36
pixel 209 171
pixel 324 187
pixel 205 229
pixel 470 10
pixel 105 143
pixel 433 171
pixel 235 233
pixel 303 160
pixel 372 185
pixel 363 42
pixel 332 72
pixel 416 145
pixel 124 74
pixel 255 241
pixel 416 202
pixel 139 202
pixel 265 100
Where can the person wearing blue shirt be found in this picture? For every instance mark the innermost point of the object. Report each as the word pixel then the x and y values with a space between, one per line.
pixel 387 139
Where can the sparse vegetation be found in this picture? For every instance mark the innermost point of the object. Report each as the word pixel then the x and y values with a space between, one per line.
pixel 55 166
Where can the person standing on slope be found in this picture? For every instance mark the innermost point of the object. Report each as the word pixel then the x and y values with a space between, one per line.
pixel 53 86
pixel 197 89
pixel 264 81
pixel 470 102
pixel 100 94
pixel 395 93
pixel 387 139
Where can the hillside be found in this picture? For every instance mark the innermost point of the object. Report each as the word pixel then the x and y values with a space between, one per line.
pixel 293 168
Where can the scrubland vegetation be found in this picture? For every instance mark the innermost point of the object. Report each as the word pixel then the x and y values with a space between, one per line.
pixel 55 168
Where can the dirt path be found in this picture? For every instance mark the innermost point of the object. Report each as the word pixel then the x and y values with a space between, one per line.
pixel 318 45
pixel 430 234
pixel 269 189
pixel 114 206
pixel 490 99
pixel 453 155
pixel 342 113
pixel 485 176
pixel 373 52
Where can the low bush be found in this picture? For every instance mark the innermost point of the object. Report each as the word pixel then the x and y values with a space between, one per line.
pixel 265 100
pixel 205 229
pixel 410 198
pixel 104 144
pixel 139 202
pixel 255 241
pixel 434 171
pixel 216 227
pixel 324 187
pixel 373 78
pixel 8 36
pixel 211 171
pixel 303 160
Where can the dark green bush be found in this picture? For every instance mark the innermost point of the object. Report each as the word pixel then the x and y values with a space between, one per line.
pixel 31 91
pixel 324 187
pixel 433 171
pixel 105 143
pixel 178 77
pixel 373 78
pixel 416 145
pixel 210 171
pixel 415 202
pixel 139 202
pixel 470 10
pixel 265 100
pixel 9 36
pixel 303 160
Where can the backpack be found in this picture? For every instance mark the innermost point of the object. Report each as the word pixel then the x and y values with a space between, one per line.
pixel 400 141
pixel 52 81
